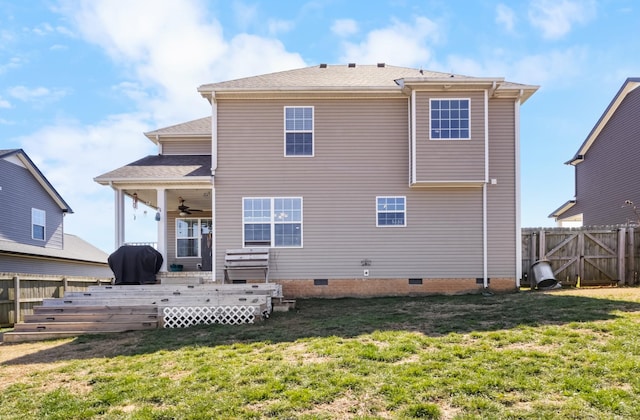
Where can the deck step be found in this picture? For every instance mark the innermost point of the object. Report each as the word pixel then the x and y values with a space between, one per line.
pixel 166 300
pixel 85 326
pixel 21 337
pixel 90 317
pixel 96 309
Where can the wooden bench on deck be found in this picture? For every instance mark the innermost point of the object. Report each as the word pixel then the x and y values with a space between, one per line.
pixel 256 259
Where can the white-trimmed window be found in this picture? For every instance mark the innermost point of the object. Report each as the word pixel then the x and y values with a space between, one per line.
pixel 188 236
pixel 273 222
pixel 391 211
pixel 298 131
pixel 449 119
pixel 38 224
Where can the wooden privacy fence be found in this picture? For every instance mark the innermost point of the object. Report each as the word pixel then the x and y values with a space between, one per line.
pixel 603 255
pixel 19 293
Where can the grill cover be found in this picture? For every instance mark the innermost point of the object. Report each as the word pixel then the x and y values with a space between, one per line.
pixel 133 264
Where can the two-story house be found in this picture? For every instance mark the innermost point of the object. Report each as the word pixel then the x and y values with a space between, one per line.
pixel 607 174
pixel 363 180
pixel 32 237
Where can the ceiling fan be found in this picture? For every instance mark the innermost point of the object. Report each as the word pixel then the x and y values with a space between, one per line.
pixel 184 210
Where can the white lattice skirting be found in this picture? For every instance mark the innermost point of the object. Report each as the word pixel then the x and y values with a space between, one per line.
pixel 186 316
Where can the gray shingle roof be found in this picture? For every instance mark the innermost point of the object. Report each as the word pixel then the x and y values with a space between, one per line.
pixel 165 167
pixel 356 78
pixel 333 76
pixel 75 248
pixel 201 126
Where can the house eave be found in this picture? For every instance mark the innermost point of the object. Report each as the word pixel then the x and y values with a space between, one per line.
pixel 155 180
pixel 629 85
pixel 557 213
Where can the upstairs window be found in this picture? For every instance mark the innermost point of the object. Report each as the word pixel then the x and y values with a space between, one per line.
pixel 391 211
pixel 38 219
pixel 272 222
pixel 449 119
pixel 298 131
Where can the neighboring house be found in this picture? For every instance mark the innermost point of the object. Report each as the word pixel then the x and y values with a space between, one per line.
pixel 32 238
pixel 362 180
pixel 607 173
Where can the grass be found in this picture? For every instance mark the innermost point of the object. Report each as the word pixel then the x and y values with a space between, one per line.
pixel 531 355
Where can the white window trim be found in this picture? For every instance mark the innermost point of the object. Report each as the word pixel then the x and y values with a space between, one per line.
pixel 272 222
pixel 454 138
pixel 405 211
pixel 313 131
pixel 42 213
pixel 199 237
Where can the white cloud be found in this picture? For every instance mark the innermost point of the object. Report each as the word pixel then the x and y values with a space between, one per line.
pixel 506 17
pixel 556 67
pixel 245 14
pixel 344 27
pixel 39 94
pixel 404 44
pixel 278 26
pixel 70 155
pixel 174 49
pixel 555 18
pixel 4 103
pixel 13 63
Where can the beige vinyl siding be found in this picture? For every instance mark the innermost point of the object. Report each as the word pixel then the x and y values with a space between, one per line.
pixel 501 210
pixel 361 151
pixel 450 160
pixel 187 147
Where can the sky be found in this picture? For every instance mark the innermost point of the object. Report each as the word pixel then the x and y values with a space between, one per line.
pixel 81 81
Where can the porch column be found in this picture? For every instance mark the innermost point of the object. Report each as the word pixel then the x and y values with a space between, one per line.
pixel 119 217
pixel 214 227
pixel 162 226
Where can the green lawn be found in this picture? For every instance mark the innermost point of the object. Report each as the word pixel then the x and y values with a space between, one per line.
pixel 562 354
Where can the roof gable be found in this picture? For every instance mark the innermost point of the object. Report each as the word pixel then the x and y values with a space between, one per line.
pixel 19 156
pixel 628 86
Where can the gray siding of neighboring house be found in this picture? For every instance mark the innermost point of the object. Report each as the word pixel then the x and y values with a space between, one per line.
pixel 186 147
pixel 20 193
pixel 38 265
pixel 501 204
pixel 450 160
pixel 610 172
pixel 361 151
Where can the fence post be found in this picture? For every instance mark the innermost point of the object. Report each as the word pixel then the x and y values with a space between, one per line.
pixel 16 295
pixel 532 259
pixel 542 242
pixel 621 256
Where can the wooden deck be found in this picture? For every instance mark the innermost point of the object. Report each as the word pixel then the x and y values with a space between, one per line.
pixel 118 308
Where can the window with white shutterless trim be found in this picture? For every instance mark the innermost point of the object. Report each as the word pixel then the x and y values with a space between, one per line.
pixel 449 119
pixel 298 131
pixel 391 211
pixel 272 221
pixel 38 224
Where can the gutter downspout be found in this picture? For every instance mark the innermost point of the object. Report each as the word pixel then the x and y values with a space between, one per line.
pixel 485 246
pixel 413 138
pixel 518 191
